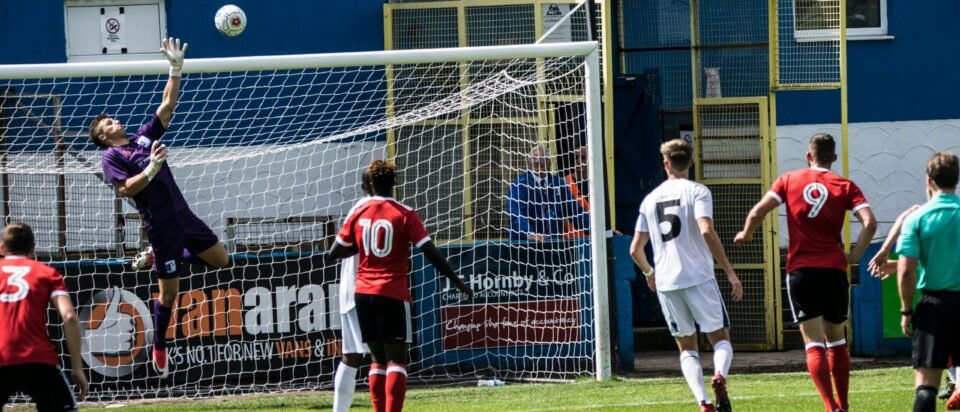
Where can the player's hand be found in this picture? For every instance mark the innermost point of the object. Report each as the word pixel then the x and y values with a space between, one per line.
pixel 905 321
pixel 737 286
pixel 158 156
pixel 742 238
pixel 537 237
pixel 173 51
pixel 80 380
pixel 652 282
pixel 879 266
pixel 463 288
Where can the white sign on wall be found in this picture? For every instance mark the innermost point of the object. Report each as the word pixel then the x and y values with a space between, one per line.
pixel 113 30
pixel 552 13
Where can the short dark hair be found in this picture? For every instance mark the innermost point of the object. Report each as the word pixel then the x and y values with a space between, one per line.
pixel 823 148
pixel 383 176
pixel 678 152
pixel 18 239
pixel 944 170
pixel 95 131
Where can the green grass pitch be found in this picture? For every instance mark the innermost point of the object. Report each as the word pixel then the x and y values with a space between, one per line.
pixel 870 390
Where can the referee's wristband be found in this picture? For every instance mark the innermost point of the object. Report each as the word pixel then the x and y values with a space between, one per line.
pixel 908 312
pixel 650 273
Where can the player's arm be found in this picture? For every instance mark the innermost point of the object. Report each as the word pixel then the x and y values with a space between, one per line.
pixel 439 261
pixel 131 186
pixel 880 266
pixel 716 248
pixel 869 223
pixel 639 255
pixel 907 284
pixel 173 51
pixel 755 218
pixel 71 331
pixel 339 251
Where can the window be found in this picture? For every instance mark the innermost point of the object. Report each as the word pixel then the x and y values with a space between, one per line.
pixel 99 30
pixel 817 19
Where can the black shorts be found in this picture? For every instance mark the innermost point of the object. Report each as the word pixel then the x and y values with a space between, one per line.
pixel 46 385
pixel 169 237
pixel 815 292
pixel 383 319
pixel 935 334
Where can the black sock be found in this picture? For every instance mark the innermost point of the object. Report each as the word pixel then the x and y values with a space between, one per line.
pixel 926 400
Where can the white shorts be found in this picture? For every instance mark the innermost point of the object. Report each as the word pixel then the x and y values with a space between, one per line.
pixel 701 305
pixel 350 330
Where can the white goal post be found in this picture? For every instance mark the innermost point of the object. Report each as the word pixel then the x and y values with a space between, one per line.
pixel 268 151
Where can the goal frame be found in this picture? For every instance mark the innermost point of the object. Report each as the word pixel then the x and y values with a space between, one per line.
pixel 594 120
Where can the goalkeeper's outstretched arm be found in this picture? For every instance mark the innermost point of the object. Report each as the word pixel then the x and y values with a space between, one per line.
pixel 436 258
pixel 173 51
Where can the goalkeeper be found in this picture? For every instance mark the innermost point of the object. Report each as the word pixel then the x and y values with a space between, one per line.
pixel 136 166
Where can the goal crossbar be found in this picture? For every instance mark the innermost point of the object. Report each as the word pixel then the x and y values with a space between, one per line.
pixel 297 61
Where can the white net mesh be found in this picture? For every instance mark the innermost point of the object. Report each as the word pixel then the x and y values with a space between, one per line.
pixel 271 160
pixel 808 44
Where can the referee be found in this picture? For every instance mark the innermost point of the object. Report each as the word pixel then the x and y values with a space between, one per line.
pixel 929 240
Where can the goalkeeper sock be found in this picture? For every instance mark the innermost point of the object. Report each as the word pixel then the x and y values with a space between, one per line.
pixel 840 369
pixel 344 384
pixel 396 386
pixel 819 368
pixel 161 320
pixel 378 387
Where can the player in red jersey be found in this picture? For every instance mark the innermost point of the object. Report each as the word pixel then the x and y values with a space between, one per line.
pixel 817 202
pixel 381 231
pixel 28 359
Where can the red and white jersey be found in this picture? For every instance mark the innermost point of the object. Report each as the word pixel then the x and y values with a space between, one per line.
pixel 26 288
pixel 817 201
pixel 383 230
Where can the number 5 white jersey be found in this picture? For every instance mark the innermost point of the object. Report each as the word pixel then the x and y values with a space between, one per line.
pixel 670 214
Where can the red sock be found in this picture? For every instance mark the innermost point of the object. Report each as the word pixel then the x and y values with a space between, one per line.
pixel 396 386
pixel 840 369
pixel 378 387
pixel 819 369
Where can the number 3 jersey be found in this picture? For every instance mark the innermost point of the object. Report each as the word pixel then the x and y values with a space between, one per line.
pixel 670 214
pixel 817 201
pixel 383 230
pixel 26 288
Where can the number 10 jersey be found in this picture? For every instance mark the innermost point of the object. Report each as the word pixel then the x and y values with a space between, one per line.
pixel 383 230
pixel 817 201
pixel 670 214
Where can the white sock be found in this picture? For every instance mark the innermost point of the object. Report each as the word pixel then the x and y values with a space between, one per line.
pixel 690 365
pixel 952 373
pixel 722 357
pixel 344 384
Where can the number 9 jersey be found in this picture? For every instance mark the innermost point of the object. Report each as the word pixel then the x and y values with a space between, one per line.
pixel 817 202
pixel 383 230
pixel 670 214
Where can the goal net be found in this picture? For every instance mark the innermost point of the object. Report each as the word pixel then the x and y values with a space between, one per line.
pixel 268 152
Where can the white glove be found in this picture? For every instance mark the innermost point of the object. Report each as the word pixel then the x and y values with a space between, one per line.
pixel 158 156
pixel 173 51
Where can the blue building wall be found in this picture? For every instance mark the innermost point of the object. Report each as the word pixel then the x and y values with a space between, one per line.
pixel 273 27
pixel 909 77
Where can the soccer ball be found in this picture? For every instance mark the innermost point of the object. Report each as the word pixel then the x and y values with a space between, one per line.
pixel 230 20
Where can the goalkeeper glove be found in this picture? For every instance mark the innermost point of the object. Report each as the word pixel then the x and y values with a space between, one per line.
pixel 174 52
pixel 158 156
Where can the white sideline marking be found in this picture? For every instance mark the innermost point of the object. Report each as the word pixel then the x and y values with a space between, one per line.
pixel 691 402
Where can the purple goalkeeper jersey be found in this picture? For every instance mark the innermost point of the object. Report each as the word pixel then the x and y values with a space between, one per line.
pixel 161 199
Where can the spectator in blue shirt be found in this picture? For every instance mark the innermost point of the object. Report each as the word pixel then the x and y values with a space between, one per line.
pixel 539 202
